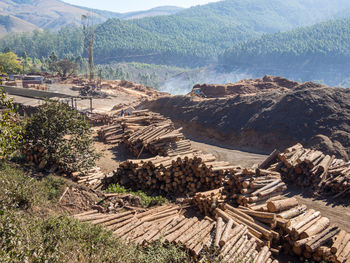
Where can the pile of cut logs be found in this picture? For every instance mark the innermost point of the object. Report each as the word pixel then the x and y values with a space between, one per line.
pixel 248 187
pixel 192 233
pixel 305 232
pixel 111 134
pixel 146 131
pixel 306 167
pixel 92 178
pixel 182 174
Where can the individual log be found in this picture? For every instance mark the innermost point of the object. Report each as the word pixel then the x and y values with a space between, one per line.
pixel 281 205
pixel 321 239
pixel 338 241
pixel 293 212
pixel 318 227
pixel 219 230
pixel 225 234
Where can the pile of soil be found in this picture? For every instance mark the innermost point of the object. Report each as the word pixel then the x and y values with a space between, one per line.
pixel 263 121
pixel 246 86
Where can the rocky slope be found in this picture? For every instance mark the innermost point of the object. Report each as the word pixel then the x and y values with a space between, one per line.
pixel 267 119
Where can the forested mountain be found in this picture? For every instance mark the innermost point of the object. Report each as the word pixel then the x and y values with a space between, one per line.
pixel 192 37
pixel 195 36
pixel 319 52
pixel 27 15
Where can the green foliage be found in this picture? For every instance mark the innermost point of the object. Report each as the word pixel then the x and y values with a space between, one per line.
pixel 9 63
pixel 21 191
pixel 64 67
pixel 145 199
pixel 319 45
pixel 64 134
pixel 61 239
pixel 11 128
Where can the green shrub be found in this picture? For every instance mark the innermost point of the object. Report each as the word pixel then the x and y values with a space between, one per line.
pixel 24 192
pixel 11 128
pixel 61 239
pixel 145 199
pixel 63 135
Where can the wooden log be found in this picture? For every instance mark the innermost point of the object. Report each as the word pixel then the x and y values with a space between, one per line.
pixel 225 234
pixel 338 241
pixel 282 205
pixel 272 157
pixel 293 212
pixel 219 230
pixel 274 183
pixel 321 239
pixel 318 227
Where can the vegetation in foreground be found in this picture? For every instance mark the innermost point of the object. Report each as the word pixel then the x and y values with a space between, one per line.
pixel 146 200
pixel 28 236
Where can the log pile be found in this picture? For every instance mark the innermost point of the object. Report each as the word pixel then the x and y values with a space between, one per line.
pixel 111 134
pixel 194 234
pixel 306 167
pixel 302 232
pixel 251 188
pixel 93 178
pixel 145 131
pixel 177 175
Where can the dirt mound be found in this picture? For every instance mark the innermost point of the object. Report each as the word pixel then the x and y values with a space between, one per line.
pixel 246 86
pixel 266 120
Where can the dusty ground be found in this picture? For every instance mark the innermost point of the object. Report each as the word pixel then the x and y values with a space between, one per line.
pixel 233 156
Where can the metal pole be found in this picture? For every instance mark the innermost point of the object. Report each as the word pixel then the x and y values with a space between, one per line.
pixel 72 103
pixel 76 106
pixel 91 105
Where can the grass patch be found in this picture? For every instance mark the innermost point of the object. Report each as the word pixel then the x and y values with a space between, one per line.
pixel 25 237
pixel 19 191
pixel 145 199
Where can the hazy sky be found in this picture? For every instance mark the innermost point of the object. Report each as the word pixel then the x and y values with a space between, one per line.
pixel 135 5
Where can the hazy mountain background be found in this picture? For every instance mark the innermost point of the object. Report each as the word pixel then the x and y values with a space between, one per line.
pixel 218 42
pixel 27 15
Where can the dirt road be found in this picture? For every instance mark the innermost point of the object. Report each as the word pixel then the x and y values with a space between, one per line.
pixel 233 156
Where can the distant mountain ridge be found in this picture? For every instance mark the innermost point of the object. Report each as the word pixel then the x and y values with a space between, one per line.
pixel 27 15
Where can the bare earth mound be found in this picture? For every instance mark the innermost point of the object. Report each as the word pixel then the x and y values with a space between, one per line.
pixel 267 119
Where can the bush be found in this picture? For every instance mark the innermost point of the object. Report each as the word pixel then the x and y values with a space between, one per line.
pixel 19 191
pixel 11 128
pixel 145 199
pixel 63 136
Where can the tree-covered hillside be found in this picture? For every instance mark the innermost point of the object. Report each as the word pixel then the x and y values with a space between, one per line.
pixel 193 37
pixel 314 51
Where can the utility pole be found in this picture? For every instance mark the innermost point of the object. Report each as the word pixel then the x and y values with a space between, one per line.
pixel 89 36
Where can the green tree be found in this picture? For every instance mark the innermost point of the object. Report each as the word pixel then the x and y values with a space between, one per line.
pixel 11 129
pixel 65 68
pixel 9 63
pixel 64 134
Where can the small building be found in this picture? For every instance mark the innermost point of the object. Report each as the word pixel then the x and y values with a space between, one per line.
pixel 29 80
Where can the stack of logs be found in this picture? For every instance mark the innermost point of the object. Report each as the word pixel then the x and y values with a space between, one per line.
pixel 182 174
pixel 112 134
pixel 194 234
pixel 248 187
pixel 305 232
pixel 306 167
pixel 280 222
pixel 146 131
pixel 92 178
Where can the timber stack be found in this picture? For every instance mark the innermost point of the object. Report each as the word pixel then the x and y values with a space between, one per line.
pixel 195 234
pixel 178 175
pixel 92 178
pixel 306 167
pixel 145 131
pixel 251 188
